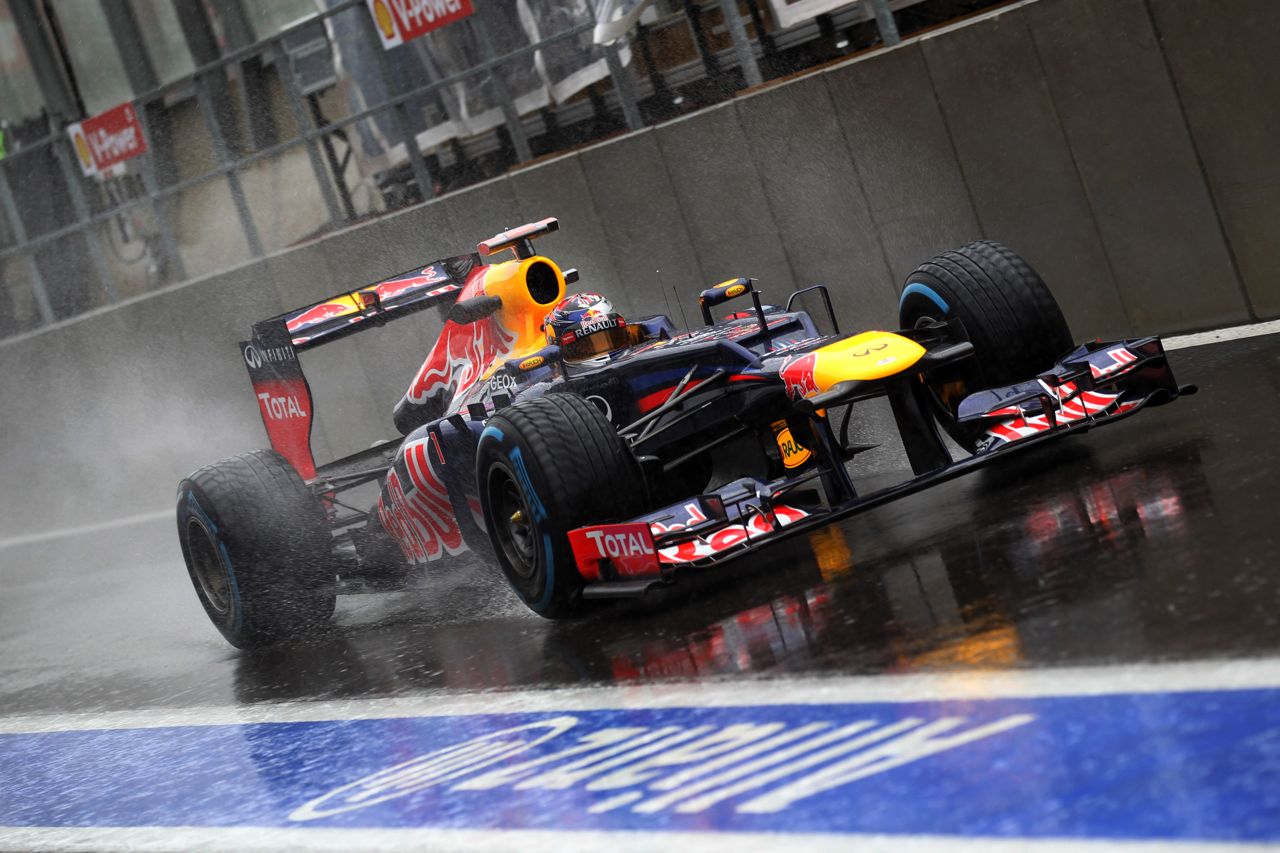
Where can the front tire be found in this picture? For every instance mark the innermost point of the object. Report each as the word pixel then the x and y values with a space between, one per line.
pixel 1013 321
pixel 257 549
pixel 546 466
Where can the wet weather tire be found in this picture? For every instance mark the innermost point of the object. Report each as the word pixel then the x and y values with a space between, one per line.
pixel 257 548
pixel 546 466
pixel 1013 321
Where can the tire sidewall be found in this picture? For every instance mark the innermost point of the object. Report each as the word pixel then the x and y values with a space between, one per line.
pixel 272 545
pixel 554 584
pixel 1009 315
pixel 194 505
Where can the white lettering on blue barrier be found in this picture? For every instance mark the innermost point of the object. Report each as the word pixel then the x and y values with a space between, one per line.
pixel 761 767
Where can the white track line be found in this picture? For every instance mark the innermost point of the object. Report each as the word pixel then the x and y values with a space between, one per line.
pixel 204 839
pixel 1240 674
pixel 65 532
pixel 1215 336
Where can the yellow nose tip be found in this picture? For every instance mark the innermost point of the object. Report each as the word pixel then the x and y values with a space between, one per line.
pixel 871 355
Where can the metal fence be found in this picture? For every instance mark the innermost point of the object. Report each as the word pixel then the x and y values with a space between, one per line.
pixel 151 195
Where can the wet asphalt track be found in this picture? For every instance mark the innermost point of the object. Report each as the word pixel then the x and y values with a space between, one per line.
pixel 1154 540
pixel 1151 540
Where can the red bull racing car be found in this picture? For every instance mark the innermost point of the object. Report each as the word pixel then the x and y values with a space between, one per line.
pixel 593 456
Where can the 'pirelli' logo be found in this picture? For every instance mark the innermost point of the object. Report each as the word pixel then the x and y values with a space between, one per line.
pixel 755 767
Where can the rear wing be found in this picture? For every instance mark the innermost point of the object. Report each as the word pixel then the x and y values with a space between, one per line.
pixel 406 293
pixel 271 354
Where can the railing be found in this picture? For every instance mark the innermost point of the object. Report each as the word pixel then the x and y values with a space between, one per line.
pixel 159 196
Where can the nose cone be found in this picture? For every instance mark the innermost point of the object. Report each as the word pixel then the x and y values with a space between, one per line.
pixel 870 355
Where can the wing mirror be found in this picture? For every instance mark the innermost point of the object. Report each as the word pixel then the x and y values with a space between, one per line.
pixel 726 290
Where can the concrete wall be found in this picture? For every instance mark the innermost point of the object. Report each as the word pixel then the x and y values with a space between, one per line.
pixel 1226 72
pixel 1125 147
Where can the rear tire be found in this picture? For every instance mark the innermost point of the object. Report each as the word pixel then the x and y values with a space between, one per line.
pixel 257 548
pixel 546 466
pixel 1013 321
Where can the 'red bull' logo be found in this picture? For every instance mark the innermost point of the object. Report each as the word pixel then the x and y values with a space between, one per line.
pixel 318 314
pixel 797 376
pixel 392 289
pixel 460 359
pixel 399 286
pixel 416 510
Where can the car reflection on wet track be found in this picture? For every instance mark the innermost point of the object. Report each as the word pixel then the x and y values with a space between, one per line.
pixel 987 595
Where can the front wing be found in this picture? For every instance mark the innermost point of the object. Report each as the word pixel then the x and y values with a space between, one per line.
pixel 1097 384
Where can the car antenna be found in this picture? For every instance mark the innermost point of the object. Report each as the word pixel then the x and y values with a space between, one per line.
pixel 663 290
pixel 663 287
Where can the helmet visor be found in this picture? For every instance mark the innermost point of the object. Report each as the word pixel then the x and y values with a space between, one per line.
pixel 597 343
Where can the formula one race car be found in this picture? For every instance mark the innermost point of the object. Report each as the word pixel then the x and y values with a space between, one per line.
pixel 584 452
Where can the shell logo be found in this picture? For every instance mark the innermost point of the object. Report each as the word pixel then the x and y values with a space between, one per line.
pixel 793 453
pixel 82 151
pixel 382 15
pixel 532 362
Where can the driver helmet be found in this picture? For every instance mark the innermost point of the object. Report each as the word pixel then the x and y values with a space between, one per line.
pixel 585 326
